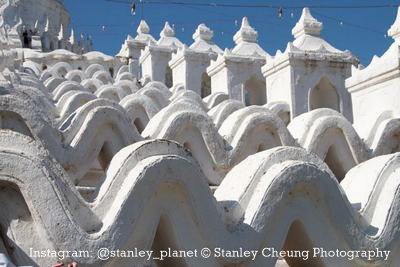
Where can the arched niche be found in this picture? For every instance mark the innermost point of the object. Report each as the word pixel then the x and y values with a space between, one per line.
pixel 254 92
pixel 205 85
pixel 168 77
pixel 111 71
pixel 324 95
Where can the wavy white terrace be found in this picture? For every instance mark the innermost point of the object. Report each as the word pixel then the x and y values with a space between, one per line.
pixel 271 199
pixel 171 145
pixel 84 130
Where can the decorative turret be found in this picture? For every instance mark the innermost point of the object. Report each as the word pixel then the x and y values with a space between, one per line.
pixel 320 70
pixel 237 72
pixel 132 47
pixel 155 56
pixel 189 64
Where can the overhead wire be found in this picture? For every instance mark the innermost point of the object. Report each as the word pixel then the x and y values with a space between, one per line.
pixel 258 5
pixel 280 8
pixel 342 22
pixel 284 8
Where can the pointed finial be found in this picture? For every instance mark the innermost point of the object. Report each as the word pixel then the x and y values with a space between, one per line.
pixel 167 31
pixel 307 25
pixel 203 33
pixel 143 28
pixel 36 26
pixel 246 33
pixel 72 37
pixel 245 22
pixel 47 28
pixel 394 30
pixel 61 33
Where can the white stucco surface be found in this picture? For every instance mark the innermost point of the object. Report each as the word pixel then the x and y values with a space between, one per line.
pixel 239 151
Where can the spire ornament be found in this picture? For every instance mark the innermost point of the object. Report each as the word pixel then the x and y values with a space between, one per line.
pixel 246 33
pixel 307 25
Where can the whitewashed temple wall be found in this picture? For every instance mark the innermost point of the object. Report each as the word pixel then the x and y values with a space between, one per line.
pixel 31 11
pixel 189 70
pixel 306 77
pixel 231 76
pixel 371 103
pixel 375 89
pixel 154 62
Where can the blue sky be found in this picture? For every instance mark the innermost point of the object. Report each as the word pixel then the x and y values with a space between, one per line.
pixel 362 31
